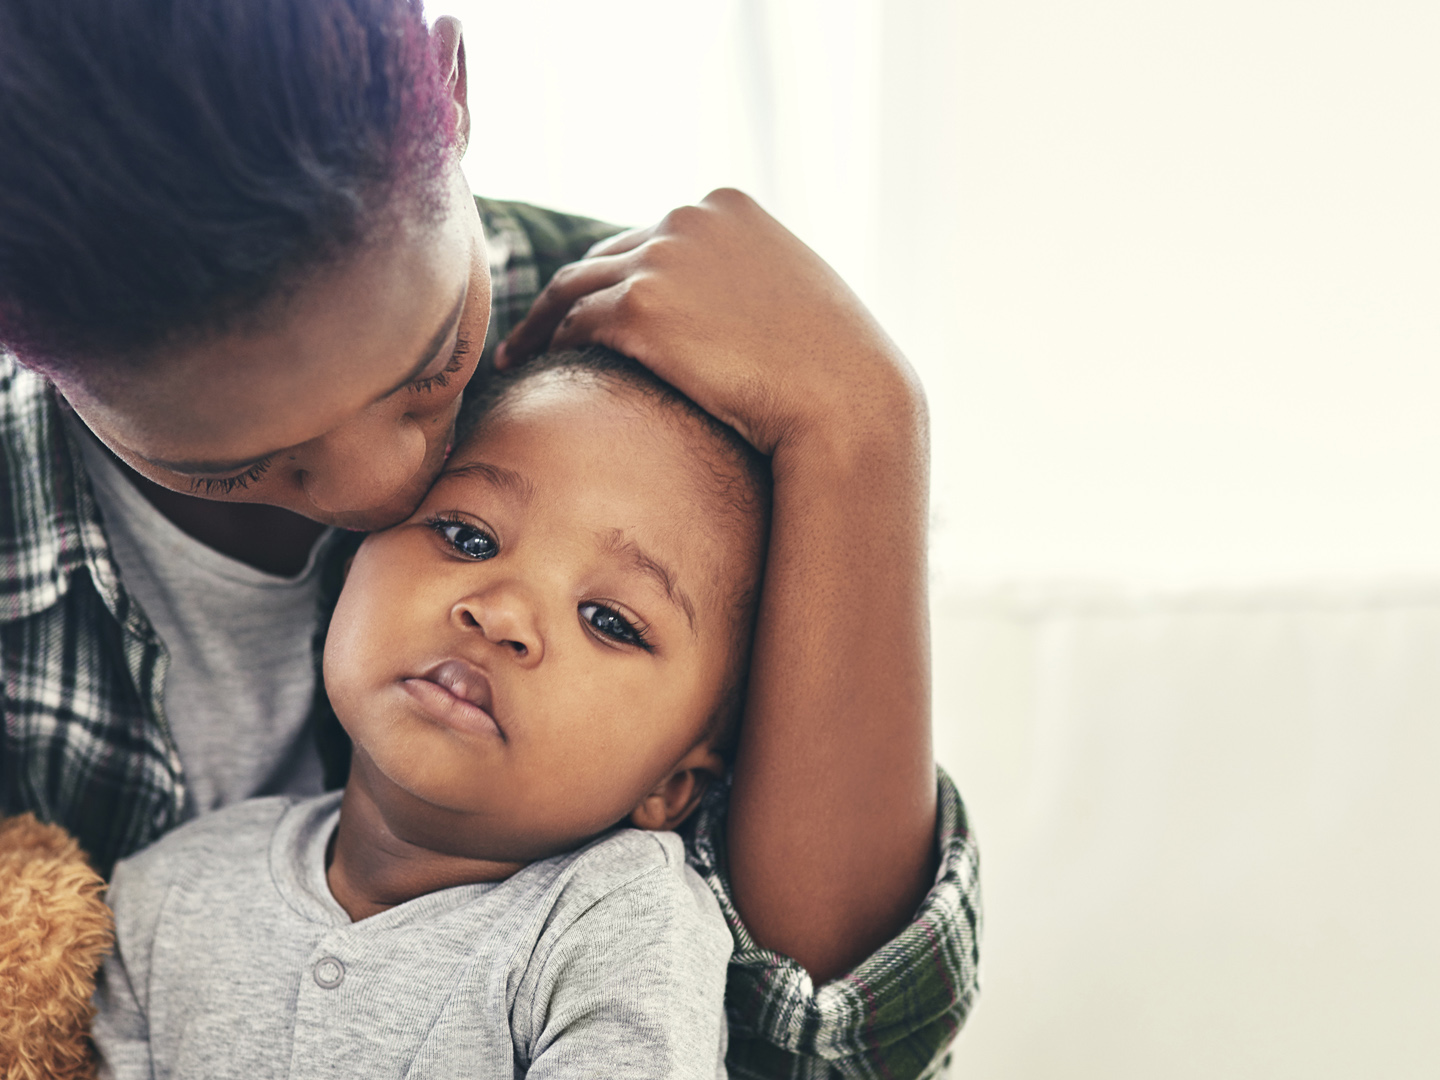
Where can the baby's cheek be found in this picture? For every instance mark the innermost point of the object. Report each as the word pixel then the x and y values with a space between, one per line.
pixel 356 647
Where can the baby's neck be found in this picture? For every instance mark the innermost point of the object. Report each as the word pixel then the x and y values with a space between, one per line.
pixel 369 869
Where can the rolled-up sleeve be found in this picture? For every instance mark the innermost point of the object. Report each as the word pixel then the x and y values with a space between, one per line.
pixel 895 1014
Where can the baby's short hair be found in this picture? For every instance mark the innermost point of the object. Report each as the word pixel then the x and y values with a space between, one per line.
pixel 737 486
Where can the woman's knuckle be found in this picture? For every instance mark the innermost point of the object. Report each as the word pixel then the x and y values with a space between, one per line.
pixel 729 198
pixel 661 251
pixel 683 219
pixel 636 300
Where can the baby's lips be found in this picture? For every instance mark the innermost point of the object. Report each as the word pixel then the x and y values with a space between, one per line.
pixel 466 681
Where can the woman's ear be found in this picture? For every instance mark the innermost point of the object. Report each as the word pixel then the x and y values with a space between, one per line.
pixel 675 797
pixel 447 38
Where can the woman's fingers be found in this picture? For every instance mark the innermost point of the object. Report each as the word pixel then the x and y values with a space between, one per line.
pixel 606 264
pixel 591 318
pixel 534 332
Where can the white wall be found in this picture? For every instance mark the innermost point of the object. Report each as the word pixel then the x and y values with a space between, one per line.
pixel 1207 824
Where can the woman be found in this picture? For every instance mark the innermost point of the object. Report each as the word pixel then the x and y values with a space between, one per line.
pixel 247 287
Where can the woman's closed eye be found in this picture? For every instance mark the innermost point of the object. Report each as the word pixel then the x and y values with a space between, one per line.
pixel 610 623
pixel 466 539
pixel 223 485
pixel 441 378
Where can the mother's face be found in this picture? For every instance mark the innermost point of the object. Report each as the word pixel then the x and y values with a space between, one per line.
pixel 339 407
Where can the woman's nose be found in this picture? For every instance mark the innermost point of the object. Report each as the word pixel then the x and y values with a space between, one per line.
pixel 504 616
pixel 364 463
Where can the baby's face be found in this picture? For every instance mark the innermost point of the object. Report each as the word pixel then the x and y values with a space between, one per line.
pixel 522 660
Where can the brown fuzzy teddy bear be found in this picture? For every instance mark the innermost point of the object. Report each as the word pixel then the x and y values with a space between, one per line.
pixel 54 932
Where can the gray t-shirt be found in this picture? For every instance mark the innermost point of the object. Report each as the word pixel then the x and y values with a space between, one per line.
pixel 241 675
pixel 233 959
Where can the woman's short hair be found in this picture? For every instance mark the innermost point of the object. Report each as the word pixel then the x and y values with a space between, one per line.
pixel 168 166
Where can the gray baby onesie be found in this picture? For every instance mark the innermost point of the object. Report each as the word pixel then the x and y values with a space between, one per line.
pixel 234 960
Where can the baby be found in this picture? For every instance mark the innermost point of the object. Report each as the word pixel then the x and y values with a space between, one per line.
pixel 552 646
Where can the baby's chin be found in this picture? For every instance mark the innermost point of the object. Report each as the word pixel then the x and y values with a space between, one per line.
pixel 489 837
pixel 432 814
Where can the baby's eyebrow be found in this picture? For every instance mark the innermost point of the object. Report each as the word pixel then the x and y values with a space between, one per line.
pixel 496 476
pixel 616 542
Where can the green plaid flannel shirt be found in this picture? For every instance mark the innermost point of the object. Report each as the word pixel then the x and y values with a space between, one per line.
pixel 86 745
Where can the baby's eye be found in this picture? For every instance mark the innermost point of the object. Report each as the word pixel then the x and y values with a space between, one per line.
pixel 608 621
pixel 467 539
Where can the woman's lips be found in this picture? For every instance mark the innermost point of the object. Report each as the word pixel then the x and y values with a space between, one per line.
pixel 458 694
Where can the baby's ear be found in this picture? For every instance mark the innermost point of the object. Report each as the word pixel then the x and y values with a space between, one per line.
pixel 675 797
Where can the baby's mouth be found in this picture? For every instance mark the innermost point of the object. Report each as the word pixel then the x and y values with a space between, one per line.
pixel 465 681
pixel 457 693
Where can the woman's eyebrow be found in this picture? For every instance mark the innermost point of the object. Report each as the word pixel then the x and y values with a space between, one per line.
pixel 426 358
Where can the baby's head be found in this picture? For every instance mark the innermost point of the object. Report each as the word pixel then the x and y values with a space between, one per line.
pixel 556 641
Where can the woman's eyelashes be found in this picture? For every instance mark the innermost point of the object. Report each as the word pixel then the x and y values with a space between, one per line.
pixel 223 485
pixel 607 621
pixel 466 539
pixel 442 378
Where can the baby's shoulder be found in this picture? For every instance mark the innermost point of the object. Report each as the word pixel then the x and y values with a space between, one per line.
pixel 622 859
pixel 635 870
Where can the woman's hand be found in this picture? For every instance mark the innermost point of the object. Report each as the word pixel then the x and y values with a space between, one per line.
pixel 832 815
pixel 723 302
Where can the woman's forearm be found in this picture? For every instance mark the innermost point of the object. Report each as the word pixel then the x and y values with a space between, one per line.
pixel 831 825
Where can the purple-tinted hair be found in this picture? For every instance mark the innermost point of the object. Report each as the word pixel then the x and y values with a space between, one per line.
pixel 167 166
